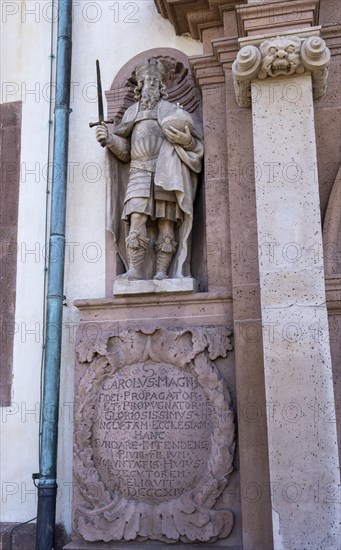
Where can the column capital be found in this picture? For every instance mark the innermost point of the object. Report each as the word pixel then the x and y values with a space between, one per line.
pixel 273 56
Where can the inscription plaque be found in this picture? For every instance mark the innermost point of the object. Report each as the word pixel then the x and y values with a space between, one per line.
pixel 154 436
pixel 151 437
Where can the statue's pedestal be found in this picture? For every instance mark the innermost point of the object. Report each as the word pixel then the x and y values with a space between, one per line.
pixel 154 423
pixel 149 545
pixel 122 287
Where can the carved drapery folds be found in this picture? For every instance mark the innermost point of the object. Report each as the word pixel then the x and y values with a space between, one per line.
pixel 281 56
pixel 154 435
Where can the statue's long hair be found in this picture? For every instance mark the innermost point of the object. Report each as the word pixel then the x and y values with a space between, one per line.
pixel 138 90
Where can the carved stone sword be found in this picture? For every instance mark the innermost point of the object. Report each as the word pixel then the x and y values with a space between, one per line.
pixel 100 104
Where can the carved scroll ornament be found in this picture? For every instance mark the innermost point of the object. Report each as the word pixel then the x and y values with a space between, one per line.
pixel 281 56
pixel 133 483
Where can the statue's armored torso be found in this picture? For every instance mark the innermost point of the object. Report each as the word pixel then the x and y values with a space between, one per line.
pixel 146 141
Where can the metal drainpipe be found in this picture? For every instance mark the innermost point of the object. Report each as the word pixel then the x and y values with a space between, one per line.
pixel 47 486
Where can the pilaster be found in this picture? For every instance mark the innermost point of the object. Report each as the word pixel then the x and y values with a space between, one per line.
pixel 241 255
pixel 211 78
pixel 286 72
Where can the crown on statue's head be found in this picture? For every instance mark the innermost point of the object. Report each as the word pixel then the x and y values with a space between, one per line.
pixel 150 66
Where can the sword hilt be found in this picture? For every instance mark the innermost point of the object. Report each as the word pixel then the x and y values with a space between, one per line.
pixel 92 124
pixel 103 142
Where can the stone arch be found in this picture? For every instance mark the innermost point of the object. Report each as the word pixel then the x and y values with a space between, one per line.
pixel 179 82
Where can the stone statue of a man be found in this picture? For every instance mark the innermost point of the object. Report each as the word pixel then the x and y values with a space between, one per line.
pixel 159 140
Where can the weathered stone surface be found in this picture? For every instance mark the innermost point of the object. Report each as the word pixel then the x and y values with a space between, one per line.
pixel 16 536
pixel 152 545
pixel 254 18
pixel 281 56
pixel 252 429
pixel 297 361
pixel 123 287
pixel 261 18
pixel 10 133
pixel 154 436
pixel 151 435
pixel 332 232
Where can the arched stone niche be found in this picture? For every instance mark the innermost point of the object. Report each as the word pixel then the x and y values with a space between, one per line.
pixel 180 89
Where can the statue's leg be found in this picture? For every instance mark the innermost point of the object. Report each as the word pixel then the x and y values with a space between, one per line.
pixel 138 223
pixel 165 248
pixel 136 245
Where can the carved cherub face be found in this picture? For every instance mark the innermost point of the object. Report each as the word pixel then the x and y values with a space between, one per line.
pixel 281 57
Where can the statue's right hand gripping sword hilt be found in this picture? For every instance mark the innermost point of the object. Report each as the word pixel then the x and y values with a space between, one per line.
pixel 101 120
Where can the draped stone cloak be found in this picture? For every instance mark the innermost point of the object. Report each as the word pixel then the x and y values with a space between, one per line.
pixel 177 170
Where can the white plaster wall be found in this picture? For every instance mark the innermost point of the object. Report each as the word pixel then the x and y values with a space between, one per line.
pixel 113 32
pixel 25 63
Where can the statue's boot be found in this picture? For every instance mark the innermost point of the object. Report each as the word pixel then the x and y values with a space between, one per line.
pixel 136 248
pixel 165 248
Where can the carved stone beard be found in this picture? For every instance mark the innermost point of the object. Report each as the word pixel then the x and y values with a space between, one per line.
pixel 149 98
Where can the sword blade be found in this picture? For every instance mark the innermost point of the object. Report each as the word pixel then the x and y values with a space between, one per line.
pixel 99 94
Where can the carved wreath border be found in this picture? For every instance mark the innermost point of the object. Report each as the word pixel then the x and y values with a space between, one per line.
pixel 187 518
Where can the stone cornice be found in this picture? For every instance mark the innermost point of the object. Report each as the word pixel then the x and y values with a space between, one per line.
pixel 276 17
pixel 210 69
pixel 284 17
pixel 149 299
pixel 193 16
pixel 225 50
pixel 332 35
pixel 258 39
pixel 207 69
pixel 281 56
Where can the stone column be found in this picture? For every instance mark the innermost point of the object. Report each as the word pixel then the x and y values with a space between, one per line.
pixel 284 74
